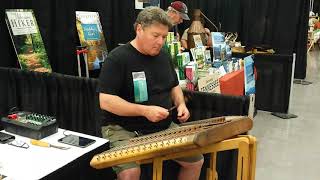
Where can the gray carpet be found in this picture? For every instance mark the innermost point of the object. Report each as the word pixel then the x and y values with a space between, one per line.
pixel 289 149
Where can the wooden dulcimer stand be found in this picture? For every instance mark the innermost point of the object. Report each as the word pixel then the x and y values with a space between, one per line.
pixel 198 137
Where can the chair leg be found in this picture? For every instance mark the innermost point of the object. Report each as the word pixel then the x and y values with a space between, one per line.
pixel 211 171
pixel 253 156
pixel 157 169
pixel 243 161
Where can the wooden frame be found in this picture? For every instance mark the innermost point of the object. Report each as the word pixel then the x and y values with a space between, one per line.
pixel 246 164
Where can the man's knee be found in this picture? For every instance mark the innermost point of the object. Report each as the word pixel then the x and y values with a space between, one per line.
pixel 130 174
pixel 196 164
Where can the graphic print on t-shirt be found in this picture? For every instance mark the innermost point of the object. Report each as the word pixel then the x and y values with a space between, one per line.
pixel 140 86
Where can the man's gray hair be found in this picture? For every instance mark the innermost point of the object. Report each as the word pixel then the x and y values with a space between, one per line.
pixel 171 9
pixel 152 15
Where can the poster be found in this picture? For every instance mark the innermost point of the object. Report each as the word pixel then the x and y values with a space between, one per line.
pixel 27 40
pixel 141 4
pixel 91 36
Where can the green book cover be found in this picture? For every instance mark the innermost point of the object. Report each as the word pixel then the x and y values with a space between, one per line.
pixel 91 35
pixel 27 41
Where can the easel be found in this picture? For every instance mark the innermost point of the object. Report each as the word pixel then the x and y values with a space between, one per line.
pixel 246 145
pixel 84 51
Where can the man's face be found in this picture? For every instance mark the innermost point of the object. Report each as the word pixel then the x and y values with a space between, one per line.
pixel 151 38
pixel 176 18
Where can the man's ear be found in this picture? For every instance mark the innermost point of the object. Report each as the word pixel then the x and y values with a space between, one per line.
pixel 138 29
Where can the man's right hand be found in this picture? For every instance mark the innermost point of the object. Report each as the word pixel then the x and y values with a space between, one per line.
pixel 155 113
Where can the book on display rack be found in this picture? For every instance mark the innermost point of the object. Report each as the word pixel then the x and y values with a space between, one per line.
pixel 91 36
pixel 249 79
pixel 27 40
pixel 218 45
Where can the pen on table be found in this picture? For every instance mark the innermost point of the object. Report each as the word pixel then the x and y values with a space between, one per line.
pixel 45 144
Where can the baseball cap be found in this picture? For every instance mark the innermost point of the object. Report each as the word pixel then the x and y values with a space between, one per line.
pixel 181 8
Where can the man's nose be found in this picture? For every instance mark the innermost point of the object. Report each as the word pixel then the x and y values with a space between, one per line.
pixel 160 40
pixel 181 21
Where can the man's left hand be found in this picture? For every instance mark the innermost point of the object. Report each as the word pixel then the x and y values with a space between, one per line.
pixel 183 113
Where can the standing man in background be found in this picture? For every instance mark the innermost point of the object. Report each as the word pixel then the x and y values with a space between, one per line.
pixel 138 85
pixel 177 11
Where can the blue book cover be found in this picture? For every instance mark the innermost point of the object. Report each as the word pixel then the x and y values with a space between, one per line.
pixel 249 81
pixel 217 37
pixel 91 35
pixel 218 45
pixel 90 32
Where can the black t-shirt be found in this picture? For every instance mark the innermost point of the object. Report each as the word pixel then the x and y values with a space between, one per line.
pixel 175 30
pixel 116 79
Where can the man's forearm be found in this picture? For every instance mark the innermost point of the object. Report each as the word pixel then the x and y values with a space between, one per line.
pixel 177 96
pixel 119 106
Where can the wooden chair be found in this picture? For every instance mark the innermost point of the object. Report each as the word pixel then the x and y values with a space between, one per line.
pixel 246 165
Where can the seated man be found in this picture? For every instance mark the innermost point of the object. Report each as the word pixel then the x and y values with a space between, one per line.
pixel 137 86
